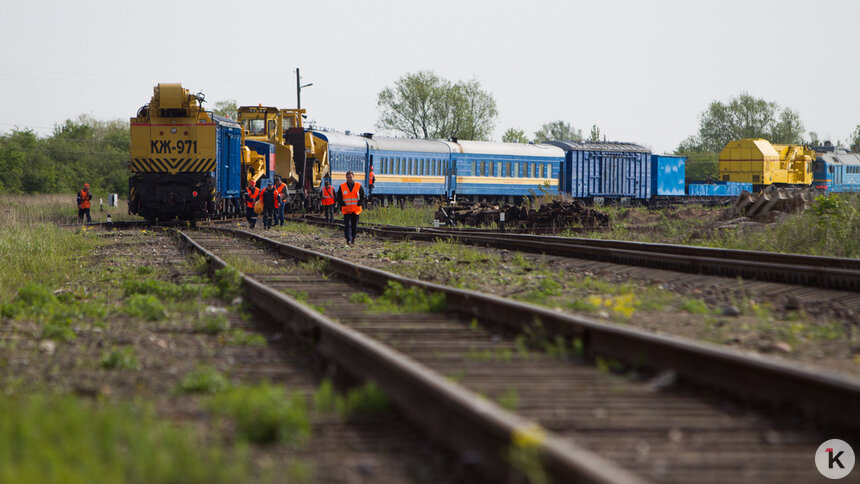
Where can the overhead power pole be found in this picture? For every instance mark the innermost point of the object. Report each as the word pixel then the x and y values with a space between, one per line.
pixel 299 88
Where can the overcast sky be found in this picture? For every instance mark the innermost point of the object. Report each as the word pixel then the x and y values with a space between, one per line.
pixel 641 70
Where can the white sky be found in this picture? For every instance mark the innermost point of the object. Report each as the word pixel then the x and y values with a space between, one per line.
pixel 641 70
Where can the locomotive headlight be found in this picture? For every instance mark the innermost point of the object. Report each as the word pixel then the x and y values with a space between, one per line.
pixel 173 130
pixel 194 194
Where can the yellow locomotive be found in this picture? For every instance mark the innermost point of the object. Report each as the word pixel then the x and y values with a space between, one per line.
pixel 186 162
pixel 761 163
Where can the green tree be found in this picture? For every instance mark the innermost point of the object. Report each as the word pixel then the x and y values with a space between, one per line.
pixel 557 130
pixel 424 105
pixel 595 133
pixel 227 109
pixel 514 135
pixel 745 116
pixel 854 141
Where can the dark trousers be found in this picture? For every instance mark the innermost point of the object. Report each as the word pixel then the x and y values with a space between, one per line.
pixel 350 226
pixel 251 215
pixel 269 217
pixel 81 213
pixel 329 212
pixel 279 213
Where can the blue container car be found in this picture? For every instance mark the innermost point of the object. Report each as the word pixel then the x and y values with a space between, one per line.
pixel 605 169
pixel 717 189
pixel 667 175
pixel 228 165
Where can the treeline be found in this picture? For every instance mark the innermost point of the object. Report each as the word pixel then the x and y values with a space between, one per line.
pixel 79 151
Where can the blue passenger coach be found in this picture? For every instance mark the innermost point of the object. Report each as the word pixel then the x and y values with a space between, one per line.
pixel 483 168
pixel 345 153
pixel 411 167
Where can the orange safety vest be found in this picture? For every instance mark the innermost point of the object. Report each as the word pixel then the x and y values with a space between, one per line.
pixel 328 195
pixel 372 178
pixel 350 198
pixel 252 196
pixel 278 190
pixel 85 199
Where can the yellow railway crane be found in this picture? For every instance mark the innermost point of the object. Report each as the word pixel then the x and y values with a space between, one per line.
pixel 761 163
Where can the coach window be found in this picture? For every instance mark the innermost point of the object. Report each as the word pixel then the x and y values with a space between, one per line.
pixel 516 170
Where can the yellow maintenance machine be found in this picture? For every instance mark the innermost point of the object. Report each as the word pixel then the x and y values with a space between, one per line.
pixel 761 163
pixel 301 161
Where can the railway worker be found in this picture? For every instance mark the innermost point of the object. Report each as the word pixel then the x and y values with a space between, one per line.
pixel 350 197
pixel 251 197
pixel 371 180
pixel 84 197
pixel 270 201
pixel 281 198
pixel 328 201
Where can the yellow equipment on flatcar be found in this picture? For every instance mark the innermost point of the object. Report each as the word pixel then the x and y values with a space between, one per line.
pixel 761 163
pixel 300 161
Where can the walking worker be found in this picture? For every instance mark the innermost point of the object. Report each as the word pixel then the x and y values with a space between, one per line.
pixel 281 198
pixel 350 197
pixel 84 197
pixel 270 201
pixel 251 197
pixel 328 201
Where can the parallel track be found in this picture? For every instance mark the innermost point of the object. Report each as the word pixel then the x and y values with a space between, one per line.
pixel 594 426
pixel 810 271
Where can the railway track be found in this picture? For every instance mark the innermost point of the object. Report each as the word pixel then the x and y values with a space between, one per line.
pixel 709 415
pixel 808 271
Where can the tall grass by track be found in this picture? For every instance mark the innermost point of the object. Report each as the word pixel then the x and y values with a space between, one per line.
pixel 64 439
pixel 56 209
pixel 409 215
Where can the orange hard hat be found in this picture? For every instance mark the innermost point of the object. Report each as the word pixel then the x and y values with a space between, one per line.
pixel 86 185
pixel 252 183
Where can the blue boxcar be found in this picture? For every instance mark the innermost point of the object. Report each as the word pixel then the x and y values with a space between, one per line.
pixel 836 170
pixel 605 169
pixel 228 152
pixel 667 175
pixel 717 189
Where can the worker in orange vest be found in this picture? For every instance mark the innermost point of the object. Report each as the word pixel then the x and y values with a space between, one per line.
pixel 328 201
pixel 281 198
pixel 350 197
pixel 371 180
pixel 252 194
pixel 84 197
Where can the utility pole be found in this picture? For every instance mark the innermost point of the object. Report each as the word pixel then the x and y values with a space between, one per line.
pixel 299 88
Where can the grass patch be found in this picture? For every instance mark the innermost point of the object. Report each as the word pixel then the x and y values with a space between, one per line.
pixel 398 299
pixel 144 306
pixel 120 359
pixel 408 215
pixel 239 337
pixel 211 324
pixel 63 439
pixel 365 401
pixel 264 414
pixel 55 312
pixel 168 290
pixel 203 379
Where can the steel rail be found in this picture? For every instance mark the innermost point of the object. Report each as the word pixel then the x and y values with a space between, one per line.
pixel 812 271
pixel 451 413
pixel 819 393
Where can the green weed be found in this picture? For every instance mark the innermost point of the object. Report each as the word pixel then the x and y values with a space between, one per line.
pixel 144 306
pixel 203 379
pixel 211 324
pixel 239 337
pixel 509 400
pixel 229 283
pixel 120 359
pixel 264 413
